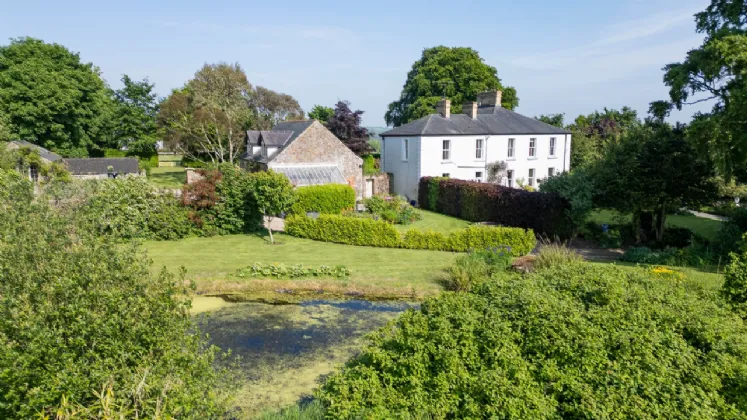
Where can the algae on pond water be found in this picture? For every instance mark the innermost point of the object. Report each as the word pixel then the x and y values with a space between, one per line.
pixel 286 350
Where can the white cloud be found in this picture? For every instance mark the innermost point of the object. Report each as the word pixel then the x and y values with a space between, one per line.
pixel 618 35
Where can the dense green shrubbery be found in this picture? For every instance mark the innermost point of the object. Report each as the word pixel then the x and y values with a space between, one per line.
pixel 82 314
pixel 344 230
pixel 555 255
pixel 15 187
pixel 544 213
pixel 369 232
pixel 392 209
pixel 692 256
pixel 734 289
pixel 129 208
pixel 569 342
pixel 283 271
pixel 324 199
pixel 476 268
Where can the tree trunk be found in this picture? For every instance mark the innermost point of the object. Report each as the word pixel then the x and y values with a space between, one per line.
pixel 269 229
pixel 661 219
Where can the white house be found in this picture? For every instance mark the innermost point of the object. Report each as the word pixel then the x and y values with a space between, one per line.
pixel 462 145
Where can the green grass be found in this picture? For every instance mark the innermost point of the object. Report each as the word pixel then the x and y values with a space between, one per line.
pixel 168 177
pixel 213 259
pixel 435 221
pixel 706 228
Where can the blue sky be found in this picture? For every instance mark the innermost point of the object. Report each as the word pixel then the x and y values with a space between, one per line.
pixel 571 57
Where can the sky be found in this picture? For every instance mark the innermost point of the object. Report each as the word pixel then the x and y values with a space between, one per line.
pixel 571 57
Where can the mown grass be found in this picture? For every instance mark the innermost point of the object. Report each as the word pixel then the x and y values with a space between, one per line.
pixel 706 228
pixel 375 271
pixel 168 177
pixel 436 222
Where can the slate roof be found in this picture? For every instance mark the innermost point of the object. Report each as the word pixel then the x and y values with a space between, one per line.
pixel 43 153
pixel 490 120
pixel 303 175
pixel 281 135
pixel 97 166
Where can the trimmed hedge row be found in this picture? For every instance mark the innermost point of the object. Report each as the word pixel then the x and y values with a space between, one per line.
pixel 325 199
pixel 481 202
pixel 377 233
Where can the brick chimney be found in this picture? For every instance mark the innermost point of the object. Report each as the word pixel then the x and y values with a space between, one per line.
pixel 470 108
pixel 444 108
pixel 490 98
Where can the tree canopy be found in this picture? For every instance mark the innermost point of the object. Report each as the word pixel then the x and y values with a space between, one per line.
pixel 346 125
pixel 209 115
pixel 715 72
pixel 455 73
pixel 321 113
pixel 135 116
pixel 594 133
pixel 270 107
pixel 53 99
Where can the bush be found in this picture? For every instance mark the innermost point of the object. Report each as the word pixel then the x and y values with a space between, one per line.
pixel 282 271
pixel 545 213
pixel 697 255
pixel 14 187
pixel 554 255
pixel 344 230
pixel 130 207
pixel 576 341
pixel 734 289
pixel 475 268
pixel 392 209
pixel 370 166
pixel 378 233
pixel 578 188
pixel 83 314
pixel 324 199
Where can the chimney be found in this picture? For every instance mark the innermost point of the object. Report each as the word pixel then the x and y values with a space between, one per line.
pixel 444 108
pixel 490 98
pixel 470 108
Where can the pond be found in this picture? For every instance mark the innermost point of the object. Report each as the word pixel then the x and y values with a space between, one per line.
pixel 286 350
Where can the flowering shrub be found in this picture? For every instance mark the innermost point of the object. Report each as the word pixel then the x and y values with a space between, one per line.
pixel 282 271
pixel 664 273
pixel 393 209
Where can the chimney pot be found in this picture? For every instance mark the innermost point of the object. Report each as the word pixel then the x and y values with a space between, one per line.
pixel 490 98
pixel 470 108
pixel 444 108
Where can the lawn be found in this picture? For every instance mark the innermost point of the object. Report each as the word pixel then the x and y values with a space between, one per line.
pixel 376 272
pixel 706 228
pixel 435 221
pixel 168 177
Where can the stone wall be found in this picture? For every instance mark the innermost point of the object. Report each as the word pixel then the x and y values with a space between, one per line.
pixel 317 145
pixel 381 183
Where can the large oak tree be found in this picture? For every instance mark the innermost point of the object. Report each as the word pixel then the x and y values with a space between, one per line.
pixel 456 73
pixel 52 98
pixel 136 108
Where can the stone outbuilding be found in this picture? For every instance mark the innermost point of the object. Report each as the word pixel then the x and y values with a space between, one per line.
pixel 306 152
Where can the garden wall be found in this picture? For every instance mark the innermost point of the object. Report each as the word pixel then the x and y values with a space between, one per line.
pixel 482 202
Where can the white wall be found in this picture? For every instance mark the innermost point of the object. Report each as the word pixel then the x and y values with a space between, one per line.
pixel 426 158
pixel 520 163
pixel 405 174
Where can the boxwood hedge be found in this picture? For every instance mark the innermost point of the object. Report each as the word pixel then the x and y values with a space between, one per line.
pixel 325 199
pixel 378 233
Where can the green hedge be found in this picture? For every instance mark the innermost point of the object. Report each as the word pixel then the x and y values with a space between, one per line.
pixel 325 199
pixel 377 233
pixel 344 230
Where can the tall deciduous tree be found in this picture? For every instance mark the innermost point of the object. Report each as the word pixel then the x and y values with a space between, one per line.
pixel 715 72
pixel 552 119
pixel 321 113
pixel 653 169
pixel 52 98
pixel 271 107
pixel 135 116
pixel 209 115
pixel 346 125
pixel 593 134
pixel 456 73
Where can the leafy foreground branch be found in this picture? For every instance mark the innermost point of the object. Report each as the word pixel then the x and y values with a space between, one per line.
pixel 82 316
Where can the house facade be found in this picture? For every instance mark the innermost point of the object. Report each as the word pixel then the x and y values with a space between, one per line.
pixel 462 146
pixel 306 152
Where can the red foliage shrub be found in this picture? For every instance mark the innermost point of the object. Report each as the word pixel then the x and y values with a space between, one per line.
pixel 202 194
pixel 482 202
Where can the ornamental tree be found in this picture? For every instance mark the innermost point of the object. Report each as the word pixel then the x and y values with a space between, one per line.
pixel 455 73
pixel 346 125
pixel 273 194
pixel 321 113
